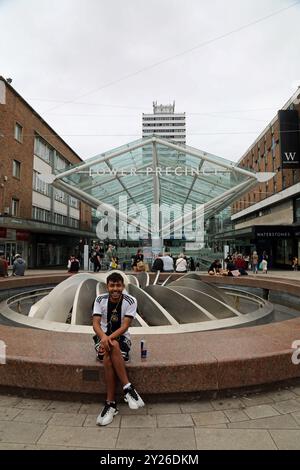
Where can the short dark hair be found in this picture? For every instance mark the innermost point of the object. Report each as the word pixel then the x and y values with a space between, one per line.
pixel 115 277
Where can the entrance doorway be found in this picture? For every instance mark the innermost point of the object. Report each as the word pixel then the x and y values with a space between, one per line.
pixel 10 249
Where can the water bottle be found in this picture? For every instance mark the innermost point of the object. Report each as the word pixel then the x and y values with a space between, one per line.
pixel 143 349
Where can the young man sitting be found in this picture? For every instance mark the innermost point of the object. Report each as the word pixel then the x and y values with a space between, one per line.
pixel 112 316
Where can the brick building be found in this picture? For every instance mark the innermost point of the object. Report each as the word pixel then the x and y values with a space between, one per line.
pixel 44 224
pixel 268 217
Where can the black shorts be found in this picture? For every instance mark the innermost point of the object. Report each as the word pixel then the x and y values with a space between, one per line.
pixel 124 343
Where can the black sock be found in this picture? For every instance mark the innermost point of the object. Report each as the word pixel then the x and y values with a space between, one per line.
pixel 112 403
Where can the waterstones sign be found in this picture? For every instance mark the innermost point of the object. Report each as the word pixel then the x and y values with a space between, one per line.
pixel 289 139
pixel 273 232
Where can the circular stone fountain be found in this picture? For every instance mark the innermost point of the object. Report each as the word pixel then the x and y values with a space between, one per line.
pixel 178 305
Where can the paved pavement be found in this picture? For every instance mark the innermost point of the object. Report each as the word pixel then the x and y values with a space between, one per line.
pixel 269 420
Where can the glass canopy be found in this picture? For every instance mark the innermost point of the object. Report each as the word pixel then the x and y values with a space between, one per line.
pixel 156 171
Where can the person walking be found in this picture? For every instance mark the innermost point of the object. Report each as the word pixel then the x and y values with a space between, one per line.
pixel 254 262
pixel 264 266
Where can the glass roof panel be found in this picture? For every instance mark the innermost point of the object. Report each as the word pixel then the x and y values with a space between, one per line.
pixel 181 174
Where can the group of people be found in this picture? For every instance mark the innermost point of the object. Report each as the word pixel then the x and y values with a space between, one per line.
pixel 238 265
pixel 166 263
pixel 18 267
pixel 101 259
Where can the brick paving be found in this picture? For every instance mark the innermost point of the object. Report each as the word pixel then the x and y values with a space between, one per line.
pixel 265 420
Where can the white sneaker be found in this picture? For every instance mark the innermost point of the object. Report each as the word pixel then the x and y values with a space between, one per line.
pixel 107 414
pixel 133 399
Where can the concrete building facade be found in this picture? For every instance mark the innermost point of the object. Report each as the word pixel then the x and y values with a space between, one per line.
pixel 267 218
pixel 44 224
pixel 165 123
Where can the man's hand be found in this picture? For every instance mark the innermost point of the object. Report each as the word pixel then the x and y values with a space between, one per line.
pixel 106 343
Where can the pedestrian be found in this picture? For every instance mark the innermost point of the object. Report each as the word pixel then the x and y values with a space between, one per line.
pixel 138 261
pixel 168 263
pixel 181 264
pixel 19 266
pixel 73 265
pixel 264 266
pixel 111 253
pixel 158 264
pixel 295 263
pixel 254 262
pixel 113 314
pixel 192 264
pixel 215 268
pixel 3 265
pixel 113 263
pixel 96 259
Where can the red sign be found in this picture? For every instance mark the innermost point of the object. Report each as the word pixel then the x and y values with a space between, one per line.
pixel 22 235
pixel 2 232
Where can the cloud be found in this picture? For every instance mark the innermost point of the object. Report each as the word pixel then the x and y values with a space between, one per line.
pixel 99 53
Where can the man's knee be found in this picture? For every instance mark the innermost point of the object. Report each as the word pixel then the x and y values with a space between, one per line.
pixel 115 349
pixel 115 345
pixel 107 360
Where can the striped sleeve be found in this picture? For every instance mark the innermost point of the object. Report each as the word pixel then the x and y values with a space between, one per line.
pixel 97 304
pixel 131 306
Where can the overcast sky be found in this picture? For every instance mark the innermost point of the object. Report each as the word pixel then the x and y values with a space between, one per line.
pixel 92 67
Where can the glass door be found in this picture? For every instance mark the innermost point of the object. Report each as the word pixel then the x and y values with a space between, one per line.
pixel 10 251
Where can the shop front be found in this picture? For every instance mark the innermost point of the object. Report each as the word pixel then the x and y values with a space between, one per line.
pixel 13 241
pixel 49 250
pixel 278 242
pixel 281 243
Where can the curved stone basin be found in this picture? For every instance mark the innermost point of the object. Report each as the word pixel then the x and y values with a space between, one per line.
pixel 187 362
